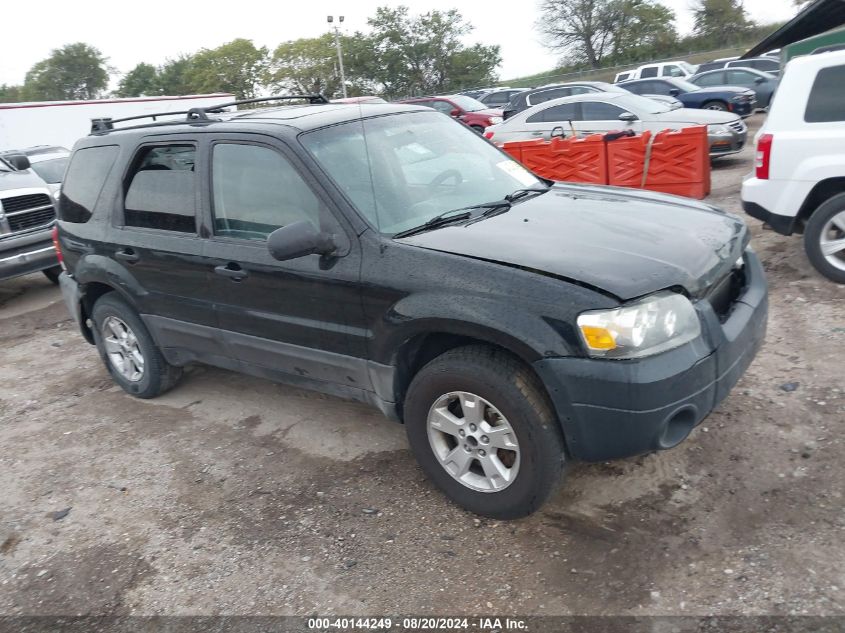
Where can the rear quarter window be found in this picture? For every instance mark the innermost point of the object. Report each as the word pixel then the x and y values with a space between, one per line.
pixel 826 103
pixel 87 173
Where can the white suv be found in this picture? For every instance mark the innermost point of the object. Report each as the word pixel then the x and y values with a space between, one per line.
pixel 799 180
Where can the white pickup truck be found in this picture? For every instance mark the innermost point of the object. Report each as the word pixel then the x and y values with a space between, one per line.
pixel 798 185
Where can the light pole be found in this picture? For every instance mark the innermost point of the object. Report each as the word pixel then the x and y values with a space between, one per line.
pixel 330 19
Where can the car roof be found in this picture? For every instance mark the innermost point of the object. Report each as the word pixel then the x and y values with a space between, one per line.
pixel 35 150
pixel 300 117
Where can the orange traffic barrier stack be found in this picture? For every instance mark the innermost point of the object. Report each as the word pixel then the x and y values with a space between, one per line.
pixel 672 161
pixel 564 159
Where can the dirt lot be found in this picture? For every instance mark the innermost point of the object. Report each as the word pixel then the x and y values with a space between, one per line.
pixel 232 495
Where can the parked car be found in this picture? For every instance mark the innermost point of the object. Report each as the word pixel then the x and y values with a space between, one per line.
pixel 511 324
pixel 499 98
pixel 48 161
pixel 763 84
pixel 475 93
pixel 27 216
pixel 614 111
pixel 798 185
pixel 766 64
pixel 530 98
pixel 741 101
pixel 363 99
pixel 466 109
pixel 676 68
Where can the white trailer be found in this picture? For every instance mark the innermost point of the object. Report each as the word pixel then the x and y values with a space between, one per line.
pixel 62 123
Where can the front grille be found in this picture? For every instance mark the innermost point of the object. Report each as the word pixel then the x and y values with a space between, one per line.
pixel 20 203
pixel 724 294
pixel 28 212
pixel 737 126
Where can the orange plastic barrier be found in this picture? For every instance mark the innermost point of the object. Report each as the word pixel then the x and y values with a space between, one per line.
pixel 573 159
pixel 675 162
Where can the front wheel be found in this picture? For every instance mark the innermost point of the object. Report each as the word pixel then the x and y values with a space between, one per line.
pixel 824 239
pixel 716 105
pixel 483 431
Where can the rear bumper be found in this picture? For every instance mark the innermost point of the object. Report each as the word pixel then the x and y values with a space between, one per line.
pixel 775 202
pixel 614 409
pixel 27 253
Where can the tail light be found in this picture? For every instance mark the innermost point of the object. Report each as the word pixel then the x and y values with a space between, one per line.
pixel 58 247
pixel 488 135
pixel 763 157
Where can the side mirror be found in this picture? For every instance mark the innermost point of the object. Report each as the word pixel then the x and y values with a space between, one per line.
pixel 557 132
pixel 674 92
pixel 18 161
pixel 455 113
pixel 760 80
pixel 298 240
pixel 628 117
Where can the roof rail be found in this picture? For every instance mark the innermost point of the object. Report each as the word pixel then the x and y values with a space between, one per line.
pixel 106 124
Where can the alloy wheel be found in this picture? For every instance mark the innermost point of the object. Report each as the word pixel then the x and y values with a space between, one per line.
pixel 473 441
pixel 122 349
pixel 832 241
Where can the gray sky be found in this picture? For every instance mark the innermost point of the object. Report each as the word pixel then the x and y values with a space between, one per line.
pixel 134 35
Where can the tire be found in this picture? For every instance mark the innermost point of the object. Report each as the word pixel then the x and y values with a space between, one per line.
pixel 477 129
pixel 53 273
pixel 827 223
pixel 721 106
pixel 156 376
pixel 503 385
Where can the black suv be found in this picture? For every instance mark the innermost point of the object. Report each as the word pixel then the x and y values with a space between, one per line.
pixel 390 255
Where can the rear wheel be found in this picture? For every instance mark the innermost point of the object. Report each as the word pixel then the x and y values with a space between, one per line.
pixel 720 106
pixel 824 239
pixel 484 432
pixel 53 273
pixel 128 351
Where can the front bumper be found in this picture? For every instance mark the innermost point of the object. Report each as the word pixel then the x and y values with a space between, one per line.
pixel 26 253
pixel 611 409
pixel 724 145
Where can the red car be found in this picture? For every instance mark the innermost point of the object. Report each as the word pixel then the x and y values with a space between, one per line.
pixel 466 109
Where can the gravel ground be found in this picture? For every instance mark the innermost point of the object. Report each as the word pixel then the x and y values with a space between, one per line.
pixel 233 495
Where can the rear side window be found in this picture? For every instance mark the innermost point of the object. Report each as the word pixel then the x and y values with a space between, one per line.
pixel 649 71
pixel 162 189
pixel 827 98
pixel 548 95
pixel 87 173
pixel 672 71
pixel 638 88
pixel 555 114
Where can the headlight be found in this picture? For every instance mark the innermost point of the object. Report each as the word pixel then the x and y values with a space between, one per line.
pixel 719 130
pixel 495 120
pixel 655 324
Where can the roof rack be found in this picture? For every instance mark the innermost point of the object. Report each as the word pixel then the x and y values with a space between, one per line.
pixel 106 124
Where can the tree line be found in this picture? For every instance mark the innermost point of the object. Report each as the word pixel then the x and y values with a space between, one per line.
pixel 399 55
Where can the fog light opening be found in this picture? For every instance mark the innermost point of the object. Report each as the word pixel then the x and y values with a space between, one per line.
pixel 678 426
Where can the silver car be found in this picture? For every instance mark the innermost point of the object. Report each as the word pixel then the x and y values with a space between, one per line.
pixel 602 112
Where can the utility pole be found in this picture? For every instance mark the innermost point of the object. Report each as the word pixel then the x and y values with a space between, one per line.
pixel 330 19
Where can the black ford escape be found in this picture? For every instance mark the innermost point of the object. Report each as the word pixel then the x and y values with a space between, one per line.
pixel 387 254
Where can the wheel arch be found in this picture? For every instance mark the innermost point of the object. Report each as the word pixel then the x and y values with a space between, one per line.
pixel 821 192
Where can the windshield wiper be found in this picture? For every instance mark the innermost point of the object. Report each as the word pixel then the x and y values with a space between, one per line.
pixel 521 193
pixel 502 206
pixel 447 217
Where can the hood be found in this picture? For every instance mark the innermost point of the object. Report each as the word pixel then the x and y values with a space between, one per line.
pixel 697 116
pixel 25 179
pixel 625 242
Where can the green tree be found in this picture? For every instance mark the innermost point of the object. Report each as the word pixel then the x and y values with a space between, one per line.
pixel 140 81
pixel 306 65
pixel 173 77
pixel 720 22
pixel 237 67
pixel 10 94
pixel 421 54
pixel 642 29
pixel 75 71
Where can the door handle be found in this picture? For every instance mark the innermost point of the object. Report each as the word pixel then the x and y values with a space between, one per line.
pixel 127 255
pixel 231 270
pixel 537 133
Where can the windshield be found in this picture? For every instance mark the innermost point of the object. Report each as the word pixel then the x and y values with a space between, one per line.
pixel 638 104
pixel 467 103
pixel 51 171
pixel 403 170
